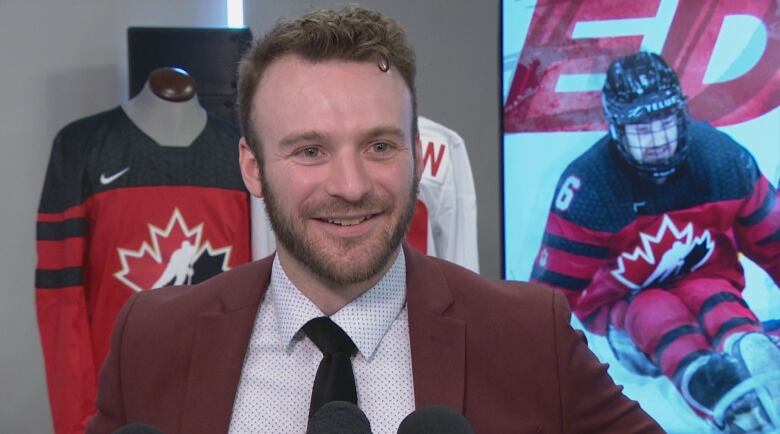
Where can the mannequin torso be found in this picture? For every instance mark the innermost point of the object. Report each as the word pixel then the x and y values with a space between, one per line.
pixel 167 108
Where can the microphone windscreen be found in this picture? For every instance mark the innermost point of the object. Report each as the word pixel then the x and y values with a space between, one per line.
pixel 339 417
pixel 435 419
pixel 138 428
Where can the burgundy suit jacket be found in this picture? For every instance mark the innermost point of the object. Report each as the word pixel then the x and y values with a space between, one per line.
pixel 502 353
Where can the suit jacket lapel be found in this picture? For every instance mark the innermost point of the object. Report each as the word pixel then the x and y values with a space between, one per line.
pixel 220 343
pixel 438 345
pixel 438 342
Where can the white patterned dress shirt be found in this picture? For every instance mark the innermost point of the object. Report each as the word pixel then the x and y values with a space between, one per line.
pixel 280 364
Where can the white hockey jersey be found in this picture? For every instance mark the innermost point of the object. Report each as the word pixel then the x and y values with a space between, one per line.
pixel 445 222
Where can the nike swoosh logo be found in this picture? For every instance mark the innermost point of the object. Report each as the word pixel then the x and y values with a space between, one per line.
pixel 105 180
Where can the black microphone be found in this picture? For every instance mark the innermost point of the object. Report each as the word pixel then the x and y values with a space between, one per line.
pixel 138 428
pixel 339 417
pixel 435 419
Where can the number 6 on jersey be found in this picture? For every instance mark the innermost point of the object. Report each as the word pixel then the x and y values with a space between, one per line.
pixel 566 194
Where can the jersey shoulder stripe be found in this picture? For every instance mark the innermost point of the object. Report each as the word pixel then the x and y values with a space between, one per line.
pixel 766 207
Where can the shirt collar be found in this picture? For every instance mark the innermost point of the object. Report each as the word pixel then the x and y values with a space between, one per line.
pixel 365 319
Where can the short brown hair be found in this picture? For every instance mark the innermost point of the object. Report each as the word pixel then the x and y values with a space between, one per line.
pixel 353 33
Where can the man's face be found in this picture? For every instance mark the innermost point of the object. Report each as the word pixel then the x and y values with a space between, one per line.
pixel 652 142
pixel 338 176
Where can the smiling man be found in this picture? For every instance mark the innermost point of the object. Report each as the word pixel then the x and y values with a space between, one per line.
pixel 344 310
pixel 339 173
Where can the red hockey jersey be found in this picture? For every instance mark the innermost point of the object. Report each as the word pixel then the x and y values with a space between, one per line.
pixel 120 213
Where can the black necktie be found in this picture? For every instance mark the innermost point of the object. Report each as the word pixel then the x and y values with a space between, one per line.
pixel 335 380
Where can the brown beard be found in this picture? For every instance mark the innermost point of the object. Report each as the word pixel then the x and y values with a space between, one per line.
pixel 291 234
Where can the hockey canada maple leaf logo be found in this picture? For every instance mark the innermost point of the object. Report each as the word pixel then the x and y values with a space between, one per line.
pixel 660 258
pixel 175 255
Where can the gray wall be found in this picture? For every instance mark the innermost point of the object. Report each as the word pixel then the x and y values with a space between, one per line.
pixel 60 61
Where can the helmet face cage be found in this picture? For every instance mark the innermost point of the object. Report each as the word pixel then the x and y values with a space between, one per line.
pixel 660 167
pixel 640 89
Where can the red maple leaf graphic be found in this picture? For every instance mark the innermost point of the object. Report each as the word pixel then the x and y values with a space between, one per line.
pixel 145 268
pixel 663 255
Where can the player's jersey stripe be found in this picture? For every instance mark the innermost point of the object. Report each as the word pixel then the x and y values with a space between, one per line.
pixel 766 207
pixel 51 279
pixel 556 279
pixel 674 334
pixel 61 230
pixel 730 325
pixel 54 255
pixel 575 247
pixel 721 297
pixel 72 212
pixel 560 226
pixel 581 267
pixel 770 239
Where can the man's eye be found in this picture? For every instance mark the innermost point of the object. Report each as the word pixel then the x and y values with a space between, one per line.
pixel 310 152
pixel 380 147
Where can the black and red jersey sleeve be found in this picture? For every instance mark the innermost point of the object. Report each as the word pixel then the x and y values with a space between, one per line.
pixel 60 293
pixel 577 261
pixel 568 257
pixel 757 226
pixel 584 216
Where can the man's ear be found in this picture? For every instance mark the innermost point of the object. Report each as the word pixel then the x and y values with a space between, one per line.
pixel 419 160
pixel 250 168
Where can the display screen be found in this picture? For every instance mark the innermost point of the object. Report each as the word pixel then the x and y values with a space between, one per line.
pixel 726 54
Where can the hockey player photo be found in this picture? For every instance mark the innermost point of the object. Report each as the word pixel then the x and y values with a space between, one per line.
pixel 659 216
pixel 644 236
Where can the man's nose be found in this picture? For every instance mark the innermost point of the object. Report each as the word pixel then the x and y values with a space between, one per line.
pixel 349 177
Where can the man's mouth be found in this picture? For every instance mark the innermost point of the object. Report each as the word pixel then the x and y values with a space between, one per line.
pixel 351 221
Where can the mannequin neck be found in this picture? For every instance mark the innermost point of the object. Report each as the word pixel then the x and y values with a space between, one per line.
pixel 168 123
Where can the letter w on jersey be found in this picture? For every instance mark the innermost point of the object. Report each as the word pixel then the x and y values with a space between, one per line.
pixel 435 160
